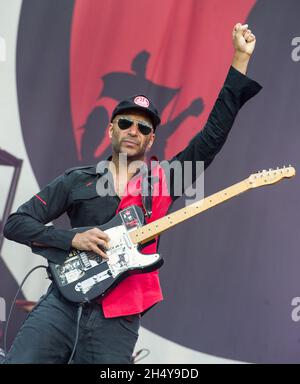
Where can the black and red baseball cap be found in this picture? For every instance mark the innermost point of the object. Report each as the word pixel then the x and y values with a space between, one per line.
pixel 140 103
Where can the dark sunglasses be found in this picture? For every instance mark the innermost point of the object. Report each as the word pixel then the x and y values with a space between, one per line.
pixel 126 122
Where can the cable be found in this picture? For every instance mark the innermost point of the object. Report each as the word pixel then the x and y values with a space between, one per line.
pixel 2 356
pixel 79 313
pixel 134 357
pixel 13 303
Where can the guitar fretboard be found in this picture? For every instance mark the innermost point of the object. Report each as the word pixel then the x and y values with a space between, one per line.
pixel 151 230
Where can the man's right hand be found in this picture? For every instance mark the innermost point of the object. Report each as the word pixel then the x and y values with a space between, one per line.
pixel 92 240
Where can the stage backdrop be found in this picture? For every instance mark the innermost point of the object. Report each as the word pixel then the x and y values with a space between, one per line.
pixel 231 277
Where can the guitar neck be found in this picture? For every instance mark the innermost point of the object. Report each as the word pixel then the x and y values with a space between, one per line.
pixel 151 230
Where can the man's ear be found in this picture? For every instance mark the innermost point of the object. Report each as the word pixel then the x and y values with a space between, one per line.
pixel 110 130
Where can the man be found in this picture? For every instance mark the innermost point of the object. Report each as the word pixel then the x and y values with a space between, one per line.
pixel 108 328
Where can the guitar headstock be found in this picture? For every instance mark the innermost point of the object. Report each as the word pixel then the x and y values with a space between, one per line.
pixel 271 176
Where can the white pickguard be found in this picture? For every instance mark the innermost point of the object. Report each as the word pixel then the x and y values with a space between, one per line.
pixel 122 254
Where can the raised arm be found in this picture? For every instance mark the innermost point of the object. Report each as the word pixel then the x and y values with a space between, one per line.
pixel 236 91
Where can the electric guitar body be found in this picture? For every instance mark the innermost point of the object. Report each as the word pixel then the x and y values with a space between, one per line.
pixel 85 275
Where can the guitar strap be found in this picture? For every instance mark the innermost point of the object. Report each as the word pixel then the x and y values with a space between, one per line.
pixel 148 186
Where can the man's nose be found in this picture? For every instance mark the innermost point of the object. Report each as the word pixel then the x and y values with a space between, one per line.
pixel 134 129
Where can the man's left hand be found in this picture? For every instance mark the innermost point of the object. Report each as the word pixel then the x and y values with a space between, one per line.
pixel 243 39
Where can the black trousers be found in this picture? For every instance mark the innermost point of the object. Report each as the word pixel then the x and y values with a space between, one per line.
pixel 48 335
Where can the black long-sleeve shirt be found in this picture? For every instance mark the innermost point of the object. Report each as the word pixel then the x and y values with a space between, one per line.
pixel 75 192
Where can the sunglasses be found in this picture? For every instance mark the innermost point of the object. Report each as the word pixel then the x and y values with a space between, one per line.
pixel 126 122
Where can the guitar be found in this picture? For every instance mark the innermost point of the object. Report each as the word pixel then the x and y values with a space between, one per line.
pixel 84 275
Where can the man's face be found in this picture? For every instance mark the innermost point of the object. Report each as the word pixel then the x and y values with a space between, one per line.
pixel 131 140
